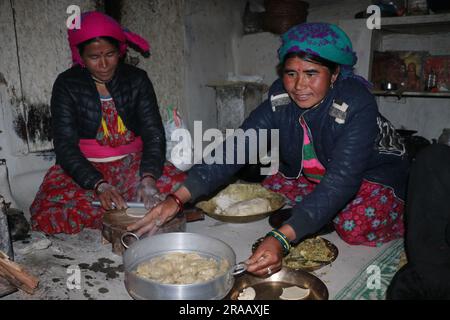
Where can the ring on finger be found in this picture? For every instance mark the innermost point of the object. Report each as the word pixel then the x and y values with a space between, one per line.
pixel 269 271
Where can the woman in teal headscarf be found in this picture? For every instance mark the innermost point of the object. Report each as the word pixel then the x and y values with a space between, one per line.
pixel 341 161
pixel 321 40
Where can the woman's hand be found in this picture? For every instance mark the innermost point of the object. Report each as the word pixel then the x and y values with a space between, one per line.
pixel 154 219
pixel 108 195
pixel 267 258
pixel 148 193
pixel 160 214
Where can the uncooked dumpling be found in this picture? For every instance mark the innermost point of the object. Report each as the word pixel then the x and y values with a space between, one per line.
pixel 226 206
pixel 247 294
pixel 182 268
pixel 136 212
pixel 249 207
pixel 294 293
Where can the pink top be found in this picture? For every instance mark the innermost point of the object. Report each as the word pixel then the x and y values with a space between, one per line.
pixel 91 149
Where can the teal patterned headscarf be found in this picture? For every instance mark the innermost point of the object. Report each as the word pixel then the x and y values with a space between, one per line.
pixel 325 40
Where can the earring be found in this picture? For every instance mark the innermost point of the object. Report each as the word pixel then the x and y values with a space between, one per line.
pixel 332 85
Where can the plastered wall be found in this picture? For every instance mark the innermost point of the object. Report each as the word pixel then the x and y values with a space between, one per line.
pixel 161 23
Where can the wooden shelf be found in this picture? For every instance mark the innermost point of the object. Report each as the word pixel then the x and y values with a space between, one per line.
pixel 426 24
pixel 411 94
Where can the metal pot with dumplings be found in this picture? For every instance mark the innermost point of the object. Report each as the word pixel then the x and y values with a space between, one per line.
pixel 143 255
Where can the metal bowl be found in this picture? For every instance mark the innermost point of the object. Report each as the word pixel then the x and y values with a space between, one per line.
pixel 147 248
pixel 244 191
pixel 270 288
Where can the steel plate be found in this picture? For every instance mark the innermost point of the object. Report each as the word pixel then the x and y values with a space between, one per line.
pixel 271 288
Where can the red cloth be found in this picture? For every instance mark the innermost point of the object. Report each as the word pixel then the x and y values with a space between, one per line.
pixel 374 216
pixel 62 206
pixel 96 24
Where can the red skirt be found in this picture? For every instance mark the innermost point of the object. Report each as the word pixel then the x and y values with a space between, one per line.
pixel 373 217
pixel 62 206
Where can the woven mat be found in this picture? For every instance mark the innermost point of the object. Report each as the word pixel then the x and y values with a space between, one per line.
pixel 364 285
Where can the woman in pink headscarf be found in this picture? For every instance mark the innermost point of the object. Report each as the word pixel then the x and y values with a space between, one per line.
pixel 108 133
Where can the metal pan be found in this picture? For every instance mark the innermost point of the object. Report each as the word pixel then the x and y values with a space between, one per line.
pixel 147 248
pixel 271 288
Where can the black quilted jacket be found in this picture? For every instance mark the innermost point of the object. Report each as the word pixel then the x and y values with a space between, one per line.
pixel 76 114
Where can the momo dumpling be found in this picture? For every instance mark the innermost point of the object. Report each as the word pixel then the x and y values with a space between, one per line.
pixel 247 294
pixel 294 293
pixel 248 207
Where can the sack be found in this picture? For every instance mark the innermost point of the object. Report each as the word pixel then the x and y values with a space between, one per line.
pixel 179 147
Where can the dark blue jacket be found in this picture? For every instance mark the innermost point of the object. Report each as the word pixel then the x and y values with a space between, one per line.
pixel 351 139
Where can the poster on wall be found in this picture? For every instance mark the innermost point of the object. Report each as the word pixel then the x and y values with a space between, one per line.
pixel 438 67
pixel 404 69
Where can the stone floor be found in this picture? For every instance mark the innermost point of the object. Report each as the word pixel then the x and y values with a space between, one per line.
pixel 81 267
pixel 56 266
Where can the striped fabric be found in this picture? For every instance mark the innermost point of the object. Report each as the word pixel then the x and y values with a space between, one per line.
pixel 313 170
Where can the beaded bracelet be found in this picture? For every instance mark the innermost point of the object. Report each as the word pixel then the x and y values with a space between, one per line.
pixel 177 200
pixel 282 239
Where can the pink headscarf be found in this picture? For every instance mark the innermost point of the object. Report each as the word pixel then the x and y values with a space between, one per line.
pixel 96 24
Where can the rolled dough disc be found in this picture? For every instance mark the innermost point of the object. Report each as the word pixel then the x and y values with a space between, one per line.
pixel 136 212
pixel 294 293
pixel 247 294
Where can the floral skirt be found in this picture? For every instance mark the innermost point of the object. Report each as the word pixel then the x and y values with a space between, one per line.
pixel 374 216
pixel 62 206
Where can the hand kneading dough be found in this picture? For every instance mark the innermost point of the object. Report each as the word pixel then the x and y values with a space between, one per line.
pixel 247 294
pixel 136 212
pixel 294 293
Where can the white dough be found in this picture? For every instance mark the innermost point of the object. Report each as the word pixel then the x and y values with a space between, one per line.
pixel 136 212
pixel 182 268
pixel 223 201
pixel 230 207
pixel 294 293
pixel 247 294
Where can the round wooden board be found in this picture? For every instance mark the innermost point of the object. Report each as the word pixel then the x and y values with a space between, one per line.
pixel 118 218
pixel 115 224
